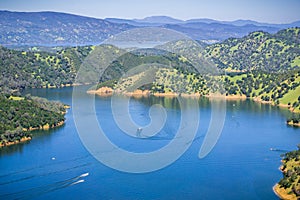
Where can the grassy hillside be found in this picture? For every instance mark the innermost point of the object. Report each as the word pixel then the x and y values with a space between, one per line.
pixel 163 80
pixel 261 66
pixel 275 88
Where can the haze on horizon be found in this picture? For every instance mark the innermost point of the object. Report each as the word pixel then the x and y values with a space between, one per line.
pixel 270 11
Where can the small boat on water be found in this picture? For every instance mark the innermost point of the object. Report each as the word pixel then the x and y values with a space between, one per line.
pixel 138 131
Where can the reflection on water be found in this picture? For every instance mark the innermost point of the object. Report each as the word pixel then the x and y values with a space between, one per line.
pixel 41 135
pixel 18 148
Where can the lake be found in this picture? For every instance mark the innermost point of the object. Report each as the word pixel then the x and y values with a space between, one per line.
pixel 56 164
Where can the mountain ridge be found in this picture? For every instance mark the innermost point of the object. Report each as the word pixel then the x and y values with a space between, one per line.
pixel 170 20
pixel 63 29
pixel 53 29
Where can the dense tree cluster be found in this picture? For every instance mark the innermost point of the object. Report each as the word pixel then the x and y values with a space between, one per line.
pixel 291 172
pixel 270 87
pixel 258 51
pixel 293 120
pixel 19 116
pixel 39 69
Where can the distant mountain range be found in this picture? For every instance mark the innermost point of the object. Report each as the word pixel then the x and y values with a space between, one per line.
pixel 61 29
pixel 52 29
pixel 161 20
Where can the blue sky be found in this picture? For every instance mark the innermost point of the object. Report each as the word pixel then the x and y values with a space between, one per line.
pixel 273 11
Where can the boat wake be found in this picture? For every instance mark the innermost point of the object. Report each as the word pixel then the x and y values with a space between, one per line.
pixel 40 175
pixel 38 191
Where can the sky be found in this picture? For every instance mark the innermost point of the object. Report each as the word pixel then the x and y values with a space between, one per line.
pixel 271 11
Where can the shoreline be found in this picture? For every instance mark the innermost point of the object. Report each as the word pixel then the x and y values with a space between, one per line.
pixel 22 140
pixel 229 97
pixel 45 127
pixel 25 138
pixel 293 124
pixel 281 105
pixel 282 193
pixel 107 91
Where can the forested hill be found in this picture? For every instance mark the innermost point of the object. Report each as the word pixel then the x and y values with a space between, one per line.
pixel 18 115
pixel 20 69
pixel 259 51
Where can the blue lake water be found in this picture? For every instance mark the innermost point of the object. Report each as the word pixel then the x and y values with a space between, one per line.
pixel 241 165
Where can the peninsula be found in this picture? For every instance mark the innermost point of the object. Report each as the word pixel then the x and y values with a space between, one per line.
pixel 288 187
pixel 20 115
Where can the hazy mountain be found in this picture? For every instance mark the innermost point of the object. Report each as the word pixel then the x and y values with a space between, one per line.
pixel 60 29
pixel 123 21
pixel 202 20
pixel 51 28
pixel 217 31
pixel 207 29
pixel 159 20
pixel 148 21
pixel 163 20
pixel 241 22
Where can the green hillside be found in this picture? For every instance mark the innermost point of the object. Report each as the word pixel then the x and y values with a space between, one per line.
pixel 18 115
pixel 278 89
pixel 20 69
pixel 258 51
